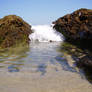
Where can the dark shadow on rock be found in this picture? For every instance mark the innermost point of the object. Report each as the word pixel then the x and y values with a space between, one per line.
pixel 85 63
pixel 83 44
pixel 87 72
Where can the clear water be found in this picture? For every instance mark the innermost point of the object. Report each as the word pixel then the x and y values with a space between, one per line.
pixel 40 67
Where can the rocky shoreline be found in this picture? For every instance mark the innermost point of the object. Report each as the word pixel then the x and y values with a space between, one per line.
pixel 77 29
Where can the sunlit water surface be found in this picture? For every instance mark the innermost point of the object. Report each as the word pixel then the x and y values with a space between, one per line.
pixel 40 67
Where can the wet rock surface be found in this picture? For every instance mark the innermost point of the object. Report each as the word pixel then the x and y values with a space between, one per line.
pixel 86 61
pixel 13 29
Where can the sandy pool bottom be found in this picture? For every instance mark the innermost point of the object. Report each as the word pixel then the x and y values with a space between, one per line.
pixel 52 81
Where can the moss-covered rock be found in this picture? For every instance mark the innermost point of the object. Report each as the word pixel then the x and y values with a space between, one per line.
pixel 77 26
pixel 13 29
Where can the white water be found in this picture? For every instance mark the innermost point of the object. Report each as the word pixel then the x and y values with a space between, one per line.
pixel 45 33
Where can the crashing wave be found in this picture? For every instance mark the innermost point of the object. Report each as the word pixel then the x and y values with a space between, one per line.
pixel 45 33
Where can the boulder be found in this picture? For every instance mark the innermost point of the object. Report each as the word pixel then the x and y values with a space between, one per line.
pixel 77 26
pixel 13 29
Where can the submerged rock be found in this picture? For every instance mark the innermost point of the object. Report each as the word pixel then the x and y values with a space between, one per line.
pixel 79 59
pixel 85 61
pixel 77 26
pixel 13 29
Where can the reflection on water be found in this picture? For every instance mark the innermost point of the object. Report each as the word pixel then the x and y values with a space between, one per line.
pixel 13 58
pixel 88 74
pixel 38 55
pixel 65 65
pixel 76 53
pixel 52 64
pixel 42 69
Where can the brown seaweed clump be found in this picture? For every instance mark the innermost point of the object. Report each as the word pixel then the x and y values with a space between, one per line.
pixel 77 26
pixel 13 29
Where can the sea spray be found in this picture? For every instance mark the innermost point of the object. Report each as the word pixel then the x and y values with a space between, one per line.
pixel 45 33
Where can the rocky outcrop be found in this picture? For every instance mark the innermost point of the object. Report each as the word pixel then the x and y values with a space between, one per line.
pixel 13 29
pixel 77 29
pixel 78 57
pixel 76 26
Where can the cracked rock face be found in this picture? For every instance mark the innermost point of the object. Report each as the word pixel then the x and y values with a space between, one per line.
pixel 13 29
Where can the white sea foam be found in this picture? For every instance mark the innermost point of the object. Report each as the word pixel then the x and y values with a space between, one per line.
pixel 45 33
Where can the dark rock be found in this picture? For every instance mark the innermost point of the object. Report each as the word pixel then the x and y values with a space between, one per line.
pixel 13 29
pixel 82 58
pixel 76 27
pixel 85 61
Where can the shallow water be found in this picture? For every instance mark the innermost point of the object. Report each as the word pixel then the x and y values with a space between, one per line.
pixel 40 67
